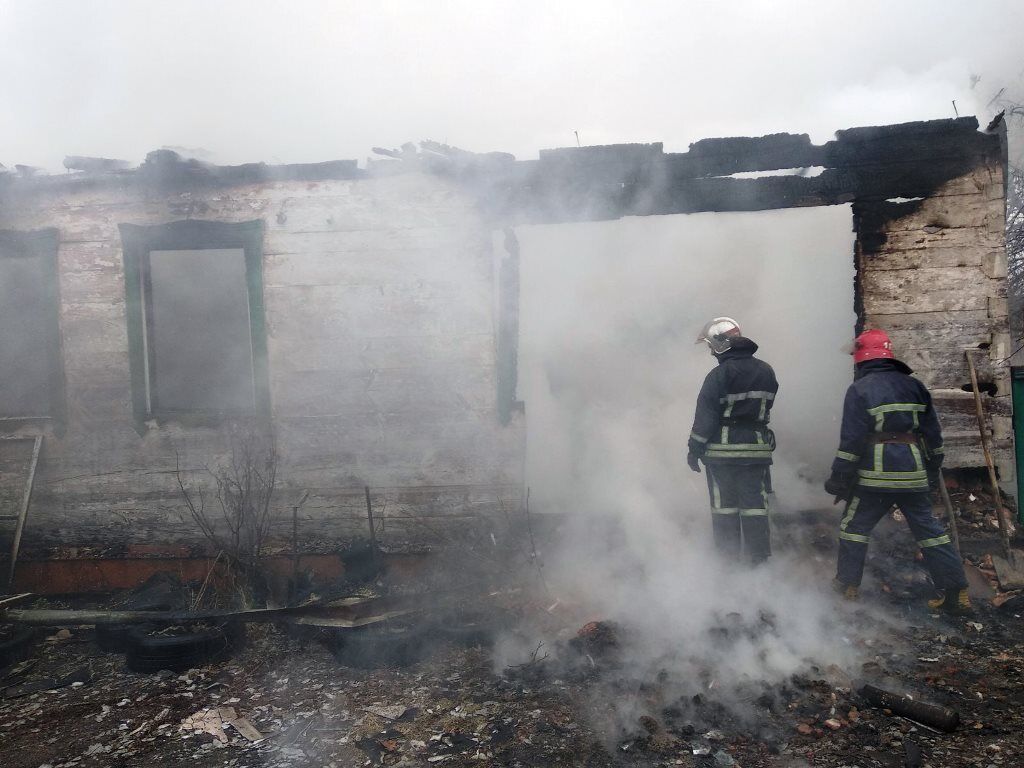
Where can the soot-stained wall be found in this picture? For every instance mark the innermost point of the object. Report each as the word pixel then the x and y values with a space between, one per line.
pixel 390 301
pixel 929 211
pixel 380 355
pixel 933 274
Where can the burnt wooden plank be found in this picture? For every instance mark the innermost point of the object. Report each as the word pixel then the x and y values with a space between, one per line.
pixel 724 156
pixel 930 258
pixel 928 290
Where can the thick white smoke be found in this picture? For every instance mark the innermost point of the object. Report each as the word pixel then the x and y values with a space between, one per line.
pixel 609 370
pixel 254 81
pixel 609 374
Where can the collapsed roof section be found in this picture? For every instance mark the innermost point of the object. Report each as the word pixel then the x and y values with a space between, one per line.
pixel 903 162
pixel 899 161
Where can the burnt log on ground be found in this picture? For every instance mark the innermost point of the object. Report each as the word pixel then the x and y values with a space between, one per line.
pixel 932 715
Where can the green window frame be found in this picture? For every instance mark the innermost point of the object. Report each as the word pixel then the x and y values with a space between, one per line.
pixel 137 243
pixel 43 245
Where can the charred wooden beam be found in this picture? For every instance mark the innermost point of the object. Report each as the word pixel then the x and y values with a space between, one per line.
pixel 95 164
pixel 861 164
pixel 347 612
pixel 932 715
pixel 907 160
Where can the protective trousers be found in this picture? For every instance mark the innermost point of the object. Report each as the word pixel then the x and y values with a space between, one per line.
pixel 739 505
pixel 866 508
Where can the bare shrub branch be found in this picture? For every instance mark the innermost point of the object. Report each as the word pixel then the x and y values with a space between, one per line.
pixel 243 487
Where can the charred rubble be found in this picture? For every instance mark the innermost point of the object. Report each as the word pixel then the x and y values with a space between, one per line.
pixel 380 650
pixel 400 676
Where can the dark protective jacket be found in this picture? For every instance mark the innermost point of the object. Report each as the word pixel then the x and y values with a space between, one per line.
pixel 733 409
pixel 885 398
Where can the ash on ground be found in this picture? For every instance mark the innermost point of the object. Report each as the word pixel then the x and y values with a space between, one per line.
pixel 290 700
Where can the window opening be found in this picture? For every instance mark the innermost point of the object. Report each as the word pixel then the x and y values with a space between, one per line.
pixel 31 375
pixel 196 324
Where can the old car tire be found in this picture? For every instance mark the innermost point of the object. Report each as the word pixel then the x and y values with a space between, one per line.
pixel 177 653
pixel 162 591
pixel 180 664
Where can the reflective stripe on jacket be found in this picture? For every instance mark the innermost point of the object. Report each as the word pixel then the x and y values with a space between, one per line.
pixel 734 407
pixel 884 397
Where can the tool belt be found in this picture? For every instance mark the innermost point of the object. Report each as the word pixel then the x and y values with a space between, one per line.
pixel 891 438
pixel 747 423
pixel 769 436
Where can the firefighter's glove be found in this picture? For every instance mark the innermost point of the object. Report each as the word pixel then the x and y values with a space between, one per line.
pixel 694 462
pixel 840 487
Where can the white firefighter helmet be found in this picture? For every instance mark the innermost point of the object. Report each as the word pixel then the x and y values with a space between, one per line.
pixel 718 334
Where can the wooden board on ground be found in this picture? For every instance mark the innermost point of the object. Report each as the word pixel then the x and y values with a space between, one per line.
pixel 978 585
pixel 1009 571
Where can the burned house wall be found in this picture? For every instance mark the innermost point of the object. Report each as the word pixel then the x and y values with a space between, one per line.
pixel 932 272
pixel 378 300
pixel 391 315
pixel 929 208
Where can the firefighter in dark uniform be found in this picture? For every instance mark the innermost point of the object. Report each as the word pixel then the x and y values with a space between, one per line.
pixel 890 451
pixel 731 436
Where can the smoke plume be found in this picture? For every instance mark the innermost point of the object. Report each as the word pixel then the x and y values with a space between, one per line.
pixel 610 374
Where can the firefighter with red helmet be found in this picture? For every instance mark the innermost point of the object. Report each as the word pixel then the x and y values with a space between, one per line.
pixel 890 451
pixel 730 435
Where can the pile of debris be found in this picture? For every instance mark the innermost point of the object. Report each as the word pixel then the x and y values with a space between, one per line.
pixel 400 678
pixel 285 701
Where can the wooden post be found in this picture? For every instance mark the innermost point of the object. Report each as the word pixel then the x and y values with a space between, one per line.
pixel 295 543
pixel 26 499
pixel 979 410
pixel 373 531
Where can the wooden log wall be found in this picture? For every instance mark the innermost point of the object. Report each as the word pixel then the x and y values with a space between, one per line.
pixel 391 361
pixel 380 324
pixel 933 274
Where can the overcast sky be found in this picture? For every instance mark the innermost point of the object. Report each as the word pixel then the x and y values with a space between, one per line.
pixel 304 81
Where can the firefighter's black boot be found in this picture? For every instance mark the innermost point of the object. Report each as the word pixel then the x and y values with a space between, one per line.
pixel 848 591
pixel 953 601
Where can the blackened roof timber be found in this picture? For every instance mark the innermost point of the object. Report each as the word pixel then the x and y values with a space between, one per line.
pixel 587 183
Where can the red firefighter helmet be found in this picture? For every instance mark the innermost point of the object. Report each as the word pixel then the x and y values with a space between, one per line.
pixel 872 345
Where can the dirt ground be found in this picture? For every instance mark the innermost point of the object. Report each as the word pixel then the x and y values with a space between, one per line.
pixel 453 708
